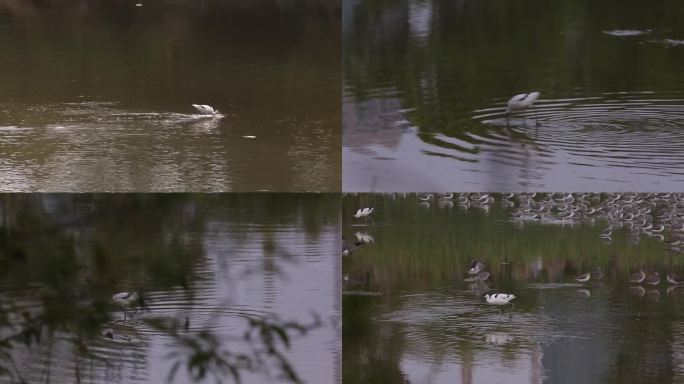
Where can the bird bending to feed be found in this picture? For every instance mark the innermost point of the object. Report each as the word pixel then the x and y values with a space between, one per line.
pixel 475 267
pixel 480 277
pixel 498 298
pixel 364 212
pixel 583 278
pixel 652 279
pixel 674 279
pixel 521 102
pixel 128 300
pixel 637 277
pixel 206 110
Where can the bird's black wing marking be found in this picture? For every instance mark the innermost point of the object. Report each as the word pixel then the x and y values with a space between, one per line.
pixel 522 97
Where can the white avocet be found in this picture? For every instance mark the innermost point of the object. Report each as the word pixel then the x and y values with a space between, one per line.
pixel 521 102
pixel 206 110
pixel 128 300
pixel 499 298
pixel 364 212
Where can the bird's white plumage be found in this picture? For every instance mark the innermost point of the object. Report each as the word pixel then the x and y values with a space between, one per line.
pixel 125 298
pixel 521 101
pixel 364 212
pixel 583 278
pixel 499 298
pixel 205 109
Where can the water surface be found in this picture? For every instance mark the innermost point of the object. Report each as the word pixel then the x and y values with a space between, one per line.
pixel 426 83
pixel 97 96
pixel 409 316
pixel 211 268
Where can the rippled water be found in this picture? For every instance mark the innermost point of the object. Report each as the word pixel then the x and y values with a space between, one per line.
pixel 206 264
pixel 424 323
pixel 426 84
pixel 97 96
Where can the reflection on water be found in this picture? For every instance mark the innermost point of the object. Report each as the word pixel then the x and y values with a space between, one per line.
pixel 426 84
pixel 97 96
pixel 208 270
pixel 424 323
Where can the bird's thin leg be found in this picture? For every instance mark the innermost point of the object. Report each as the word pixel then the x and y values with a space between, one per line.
pixel 125 314
pixel 536 117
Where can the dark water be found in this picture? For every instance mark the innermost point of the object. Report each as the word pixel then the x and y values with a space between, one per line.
pixel 409 316
pixel 426 83
pixel 96 96
pixel 206 265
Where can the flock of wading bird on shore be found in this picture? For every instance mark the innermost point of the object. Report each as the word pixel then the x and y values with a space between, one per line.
pixel 658 216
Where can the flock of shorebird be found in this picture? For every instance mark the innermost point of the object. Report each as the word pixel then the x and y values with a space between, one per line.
pixel 642 214
pixel 658 216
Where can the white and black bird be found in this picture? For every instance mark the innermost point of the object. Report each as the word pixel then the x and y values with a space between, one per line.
pixel 364 212
pixel 583 278
pixel 128 300
pixel 499 298
pixel 204 109
pixel 521 102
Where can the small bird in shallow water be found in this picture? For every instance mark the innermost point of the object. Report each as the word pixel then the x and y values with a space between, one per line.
pixel 521 102
pixel 583 278
pixel 128 300
pixel 364 212
pixel 499 298
pixel 475 267
pixel 652 279
pixel 674 279
pixel 637 277
pixel 206 110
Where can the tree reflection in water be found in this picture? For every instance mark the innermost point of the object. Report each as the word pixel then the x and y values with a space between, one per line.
pixel 62 257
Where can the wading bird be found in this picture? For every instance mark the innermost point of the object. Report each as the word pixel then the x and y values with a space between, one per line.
pixel 364 212
pixel 206 110
pixel 499 298
pixel 583 278
pixel 128 300
pixel 521 102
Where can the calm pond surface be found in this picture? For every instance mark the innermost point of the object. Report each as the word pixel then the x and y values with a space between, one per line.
pixel 409 316
pixel 210 268
pixel 96 96
pixel 426 83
